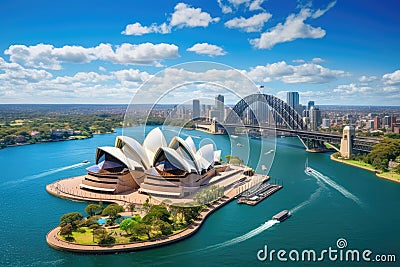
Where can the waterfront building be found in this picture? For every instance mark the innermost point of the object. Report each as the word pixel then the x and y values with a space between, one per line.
pixel 196 109
pixel 176 170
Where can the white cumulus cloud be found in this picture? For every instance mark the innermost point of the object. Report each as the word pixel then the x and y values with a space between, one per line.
pixel 392 78
pixel 187 16
pixel 48 57
pixel 183 16
pixel 293 28
pixel 252 24
pixel 305 73
pixel 137 29
pixel 367 79
pixel 207 49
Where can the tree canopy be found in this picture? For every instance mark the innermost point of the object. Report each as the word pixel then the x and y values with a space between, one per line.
pixel 72 218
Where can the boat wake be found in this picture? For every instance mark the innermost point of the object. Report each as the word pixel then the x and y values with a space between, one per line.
pixel 320 177
pixel 46 173
pixel 244 237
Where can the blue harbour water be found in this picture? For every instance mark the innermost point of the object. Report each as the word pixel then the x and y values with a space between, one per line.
pixel 334 201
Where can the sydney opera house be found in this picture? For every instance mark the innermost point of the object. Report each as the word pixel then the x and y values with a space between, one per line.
pixel 174 170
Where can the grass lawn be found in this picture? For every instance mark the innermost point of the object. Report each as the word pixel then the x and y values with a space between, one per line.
pixel 390 175
pixel 360 163
pixel 81 238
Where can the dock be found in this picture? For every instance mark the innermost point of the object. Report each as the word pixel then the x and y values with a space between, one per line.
pixel 256 195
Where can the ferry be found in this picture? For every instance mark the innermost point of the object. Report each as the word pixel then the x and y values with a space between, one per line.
pixel 281 216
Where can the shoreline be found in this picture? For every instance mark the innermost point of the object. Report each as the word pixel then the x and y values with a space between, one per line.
pixel 55 242
pixel 377 172
pixel 52 141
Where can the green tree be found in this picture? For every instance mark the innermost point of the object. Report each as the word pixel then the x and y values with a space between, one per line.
pixel 66 230
pixel 93 209
pixel 127 225
pixel 73 218
pixel 141 229
pixel 162 226
pixel 113 211
pixel 157 211
pixel 397 169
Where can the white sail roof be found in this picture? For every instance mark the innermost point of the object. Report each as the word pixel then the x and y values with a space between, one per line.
pixel 205 154
pixel 190 144
pixel 118 154
pixel 217 155
pixel 133 150
pixel 174 158
pixel 180 153
pixel 185 151
pixel 153 141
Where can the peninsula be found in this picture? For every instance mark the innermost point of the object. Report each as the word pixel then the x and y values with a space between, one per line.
pixel 168 191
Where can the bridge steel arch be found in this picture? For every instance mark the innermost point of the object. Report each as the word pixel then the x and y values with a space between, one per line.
pixel 288 114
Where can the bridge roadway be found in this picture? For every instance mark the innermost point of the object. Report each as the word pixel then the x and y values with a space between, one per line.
pixel 359 143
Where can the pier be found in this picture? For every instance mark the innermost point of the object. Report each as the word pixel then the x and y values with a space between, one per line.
pixel 256 195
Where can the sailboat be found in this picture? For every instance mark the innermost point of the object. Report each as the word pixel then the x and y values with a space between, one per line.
pixel 308 169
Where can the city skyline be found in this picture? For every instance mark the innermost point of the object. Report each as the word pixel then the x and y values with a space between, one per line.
pixel 337 52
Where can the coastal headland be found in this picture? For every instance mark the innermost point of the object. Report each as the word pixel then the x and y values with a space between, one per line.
pixel 69 189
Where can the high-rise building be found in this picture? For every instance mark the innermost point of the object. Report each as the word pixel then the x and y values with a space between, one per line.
pixel 315 118
pixel 310 104
pixel 377 123
pixel 203 110
pixel 370 124
pixel 326 123
pixel 292 98
pixel 196 109
pixel 219 108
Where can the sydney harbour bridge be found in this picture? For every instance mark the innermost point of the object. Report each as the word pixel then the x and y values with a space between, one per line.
pixel 288 121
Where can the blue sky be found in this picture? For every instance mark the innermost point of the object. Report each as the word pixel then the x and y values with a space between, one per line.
pixel 333 52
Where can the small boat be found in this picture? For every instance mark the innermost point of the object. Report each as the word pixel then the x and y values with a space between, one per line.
pixel 308 169
pixel 234 136
pixel 85 161
pixel 281 216
pixel 239 144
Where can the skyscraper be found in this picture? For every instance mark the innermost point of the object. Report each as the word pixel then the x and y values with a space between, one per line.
pixel 310 104
pixel 219 108
pixel 196 109
pixel 315 118
pixel 292 98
